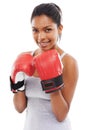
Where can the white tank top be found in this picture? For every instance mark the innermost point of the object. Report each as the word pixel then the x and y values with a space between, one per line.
pixel 39 115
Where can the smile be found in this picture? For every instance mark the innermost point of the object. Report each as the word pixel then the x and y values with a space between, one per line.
pixel 44 44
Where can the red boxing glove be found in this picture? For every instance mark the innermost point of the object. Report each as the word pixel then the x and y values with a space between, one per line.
pixel 23 65
pixel 49 68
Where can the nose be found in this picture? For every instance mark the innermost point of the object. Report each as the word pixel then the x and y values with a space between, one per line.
pixel 41 36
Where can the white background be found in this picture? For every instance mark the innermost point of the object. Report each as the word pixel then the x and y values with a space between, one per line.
pixel 16 36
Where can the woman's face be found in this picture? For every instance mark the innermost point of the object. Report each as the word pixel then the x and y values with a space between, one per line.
pixel 45 32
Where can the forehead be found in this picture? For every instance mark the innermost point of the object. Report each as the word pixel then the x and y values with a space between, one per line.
pixel 42 21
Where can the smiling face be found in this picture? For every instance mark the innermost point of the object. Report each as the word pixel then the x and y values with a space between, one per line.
pixel 45 32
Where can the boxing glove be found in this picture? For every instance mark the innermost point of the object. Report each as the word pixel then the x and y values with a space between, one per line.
pixel 22 66
pixel 49 67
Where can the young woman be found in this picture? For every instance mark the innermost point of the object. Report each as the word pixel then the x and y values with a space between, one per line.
pixel 44 81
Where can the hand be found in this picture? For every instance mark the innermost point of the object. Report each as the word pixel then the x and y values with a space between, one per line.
pixel 49 67
pixel 18 85
pixel 21 67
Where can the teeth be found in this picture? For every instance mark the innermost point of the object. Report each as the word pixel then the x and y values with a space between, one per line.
pixel 44 43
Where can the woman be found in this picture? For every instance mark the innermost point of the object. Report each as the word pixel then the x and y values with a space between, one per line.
pixel 44 81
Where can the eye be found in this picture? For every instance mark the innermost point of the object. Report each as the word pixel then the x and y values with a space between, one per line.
pixel 34 30
pixel 48 30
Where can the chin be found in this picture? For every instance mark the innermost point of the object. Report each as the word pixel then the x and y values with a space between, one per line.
pixel 45 49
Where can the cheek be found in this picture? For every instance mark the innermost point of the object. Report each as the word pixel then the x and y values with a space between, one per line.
pixel 35 37
pixel 55 37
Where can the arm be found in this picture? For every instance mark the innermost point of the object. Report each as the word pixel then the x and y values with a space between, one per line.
pixel 21 67
pixel 61 100
pixel 20 101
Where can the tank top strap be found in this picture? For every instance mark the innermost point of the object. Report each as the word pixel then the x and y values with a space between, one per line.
pixel 32 53
pixel 62 55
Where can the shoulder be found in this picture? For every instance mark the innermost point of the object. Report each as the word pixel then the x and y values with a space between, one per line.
pixel 69 61
pixel 70 70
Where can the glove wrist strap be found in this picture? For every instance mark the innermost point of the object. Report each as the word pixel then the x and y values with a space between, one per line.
pixel 52 84
pixel 15 87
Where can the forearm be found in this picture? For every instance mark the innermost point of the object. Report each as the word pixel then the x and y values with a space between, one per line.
pixel 20 101
pixel 59 105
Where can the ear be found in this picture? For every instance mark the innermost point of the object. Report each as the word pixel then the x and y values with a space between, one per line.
pixel 60 28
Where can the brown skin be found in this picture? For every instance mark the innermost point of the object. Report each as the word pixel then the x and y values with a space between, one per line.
pixel 46 34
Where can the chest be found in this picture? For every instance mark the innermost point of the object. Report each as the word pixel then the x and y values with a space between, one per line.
pixel 34 88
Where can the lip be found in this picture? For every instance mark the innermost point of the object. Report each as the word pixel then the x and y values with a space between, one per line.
pixel 44 44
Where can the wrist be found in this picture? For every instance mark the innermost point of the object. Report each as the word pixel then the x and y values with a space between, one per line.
pixel 56 93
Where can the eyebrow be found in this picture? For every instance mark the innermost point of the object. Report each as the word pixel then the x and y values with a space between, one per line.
pixel 43 27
